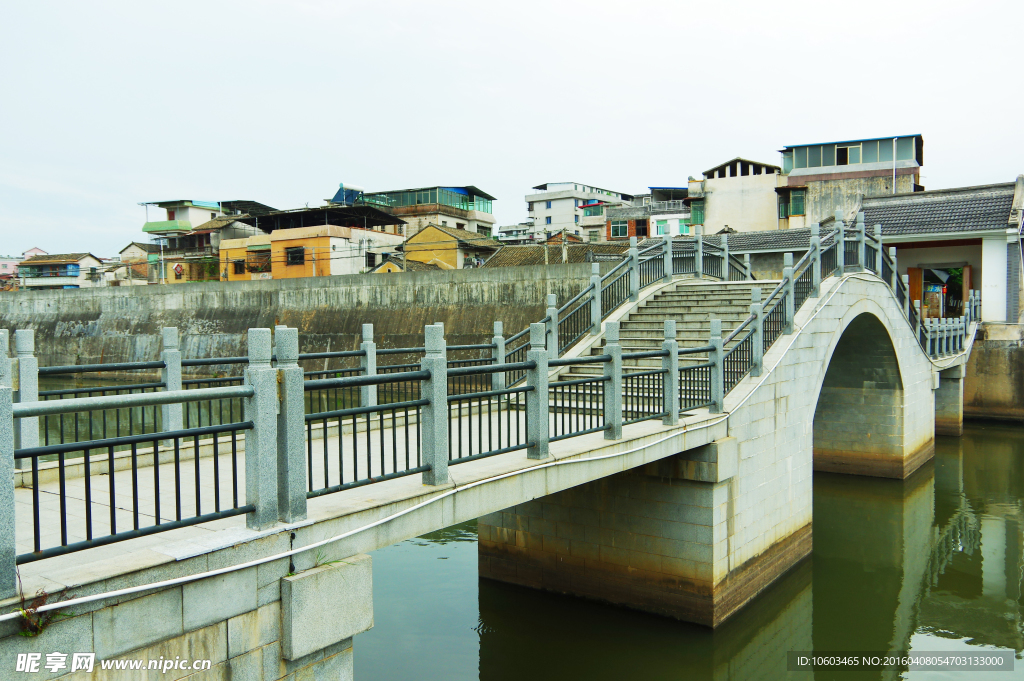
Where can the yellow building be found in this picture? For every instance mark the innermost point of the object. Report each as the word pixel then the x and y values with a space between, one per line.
pixel 316 251
pixel 449 248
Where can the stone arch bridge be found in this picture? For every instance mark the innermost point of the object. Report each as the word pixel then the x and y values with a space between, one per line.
pixel 668 462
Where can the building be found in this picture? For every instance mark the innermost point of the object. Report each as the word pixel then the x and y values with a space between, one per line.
pixel 188 240
pixel 394 264
pixel 739 194
pixel 571 206
pixel 66 270
pixel 127 273
pixel 521 233
pixel 9 266
pixel 449 248
pixel 136 251
pixel 465 208
pixel 663 211
pixel 819 179
pixel 314 242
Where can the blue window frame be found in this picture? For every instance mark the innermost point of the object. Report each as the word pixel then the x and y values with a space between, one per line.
pixel 548 204
pixel 547 220
pixel 577 217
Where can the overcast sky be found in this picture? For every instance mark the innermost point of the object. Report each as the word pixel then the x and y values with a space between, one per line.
pixel 108 104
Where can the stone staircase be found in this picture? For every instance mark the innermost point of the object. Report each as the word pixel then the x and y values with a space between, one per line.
pixel 693 306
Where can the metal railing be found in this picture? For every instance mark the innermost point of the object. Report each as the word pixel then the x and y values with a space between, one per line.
pixel 327 430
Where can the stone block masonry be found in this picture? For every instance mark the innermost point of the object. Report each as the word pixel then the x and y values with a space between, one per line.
pixel 647 539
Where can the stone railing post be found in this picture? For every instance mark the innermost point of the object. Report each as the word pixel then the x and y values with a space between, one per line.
pixel 613 386
pixel 291 428
pixel 757 342
pixel 861 242
pixel 26 430
pixel 788 290
pixel 895 272
pixel 368 367
pixel 963 333
pixel 698 251
pixel 595 301
pixel 906 299
pixel 551 333
pixel 667 256
pixel 670 365
pixel 977 304
pixel 968 306
pixel 634 270
pixel 748 274
pixel 920 322
pixel 261 440
pixel 435 414
pixel 815 259
pixel 717 359
pixel 170 354
pixel 498 356
pixel 8 549
pixel 537 399
pixel 878 251
pixel 725 257
pixel 840 241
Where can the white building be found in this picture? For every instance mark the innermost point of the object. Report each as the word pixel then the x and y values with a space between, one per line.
pixel 63 270
pixel 577 208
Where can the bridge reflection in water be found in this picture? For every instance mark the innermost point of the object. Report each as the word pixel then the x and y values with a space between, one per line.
pixel 935 562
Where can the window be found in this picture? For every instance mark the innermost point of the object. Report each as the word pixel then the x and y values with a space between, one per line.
pixel 170 214
pixel 577 203
pixel 213 215
pixel 796 202
pixel 662 227
pixel 444 223
pixel 594 235
pixel 577 217
pixel 295 256
pixel 641 228
pixel 529 206
pixel 547 220
pixel 620 229
pixel 548 204
pixel 239 266
pixel 460 225
pixel 684 226
pixel 697 213
pixel 371 259
pixel 177 274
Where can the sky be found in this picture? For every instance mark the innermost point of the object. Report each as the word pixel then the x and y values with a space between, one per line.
pixel 104 105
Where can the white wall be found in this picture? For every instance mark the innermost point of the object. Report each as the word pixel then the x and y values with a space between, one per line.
pixel 746 203
pixel 993 279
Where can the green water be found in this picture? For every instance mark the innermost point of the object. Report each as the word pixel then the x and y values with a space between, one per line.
pixel 935 562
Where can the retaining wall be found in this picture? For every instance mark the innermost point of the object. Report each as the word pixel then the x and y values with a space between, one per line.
pixel 85 326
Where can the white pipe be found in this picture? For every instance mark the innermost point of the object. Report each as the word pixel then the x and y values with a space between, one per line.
pixel 893 165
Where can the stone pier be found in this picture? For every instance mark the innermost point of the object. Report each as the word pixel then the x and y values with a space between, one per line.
pixel 949 402
pixel 656 538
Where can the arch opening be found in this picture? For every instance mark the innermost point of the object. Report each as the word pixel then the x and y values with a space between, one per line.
pixel 859 418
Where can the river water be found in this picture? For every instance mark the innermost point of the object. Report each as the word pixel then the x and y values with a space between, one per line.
pixel 935 562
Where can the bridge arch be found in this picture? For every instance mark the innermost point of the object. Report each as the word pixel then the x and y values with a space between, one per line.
pixel 861 425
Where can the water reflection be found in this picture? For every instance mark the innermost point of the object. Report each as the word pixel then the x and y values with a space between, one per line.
pixel 935 562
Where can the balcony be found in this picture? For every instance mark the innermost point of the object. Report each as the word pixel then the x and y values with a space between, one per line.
pixel 669 207
pixel 164 226
pixel 52 280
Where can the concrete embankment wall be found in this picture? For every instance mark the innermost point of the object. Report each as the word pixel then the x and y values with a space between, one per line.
pixel 994 383
pixel 86 326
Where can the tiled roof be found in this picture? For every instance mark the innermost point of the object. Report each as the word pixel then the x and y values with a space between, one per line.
pixel 407 266
pixel 465 237
pixel 56 259
pixel 965 209
pixel 516 256
pixel 148 248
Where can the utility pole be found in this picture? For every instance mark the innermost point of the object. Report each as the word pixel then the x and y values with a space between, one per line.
pixel 565 248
